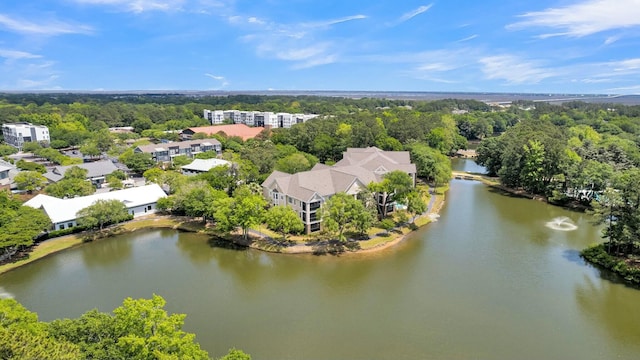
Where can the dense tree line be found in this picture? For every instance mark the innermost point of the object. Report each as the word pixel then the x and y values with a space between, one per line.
pixel 139 329
pixel 19 225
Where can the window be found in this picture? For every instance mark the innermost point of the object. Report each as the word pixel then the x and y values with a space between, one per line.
pixel 290 200
pixel 314 227
pixel 70 225
pixel 61 226
pixel 149 207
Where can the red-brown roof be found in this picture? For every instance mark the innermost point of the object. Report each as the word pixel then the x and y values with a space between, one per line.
pixel 241 130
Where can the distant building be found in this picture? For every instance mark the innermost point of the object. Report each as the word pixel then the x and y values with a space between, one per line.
pixel 240 130
pixel 199 166
pixel 63 212
pixel 214 116
pixel 307 190
pixel 256 118
pixel 17 134
pixel 97 171
pixel 167 151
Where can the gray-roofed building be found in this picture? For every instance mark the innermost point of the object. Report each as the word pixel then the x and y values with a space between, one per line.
pixel 97 171
pixel 306 191
pixel 165 152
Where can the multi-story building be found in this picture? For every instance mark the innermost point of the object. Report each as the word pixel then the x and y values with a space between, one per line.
pixel 306 191
pixel 16 134
pixel 167 151
pixel 214 116
pixel 256 118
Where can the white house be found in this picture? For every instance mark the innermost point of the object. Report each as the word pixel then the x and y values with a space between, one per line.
pixel 63 212
pixel 17 134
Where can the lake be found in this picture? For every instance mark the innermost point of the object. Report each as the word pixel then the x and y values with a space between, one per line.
pixel 496 277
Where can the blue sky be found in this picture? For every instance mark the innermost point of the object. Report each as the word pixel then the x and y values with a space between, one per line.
pixel 559 46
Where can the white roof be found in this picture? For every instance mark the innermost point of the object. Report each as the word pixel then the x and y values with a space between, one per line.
pixel 60 210
pixel 205 165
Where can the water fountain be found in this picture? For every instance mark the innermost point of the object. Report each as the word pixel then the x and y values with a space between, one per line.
pixel 561 223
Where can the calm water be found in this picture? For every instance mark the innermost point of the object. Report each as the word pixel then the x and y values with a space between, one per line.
pixel 489 280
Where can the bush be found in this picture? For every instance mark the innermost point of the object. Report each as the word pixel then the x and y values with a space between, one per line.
pixel 68 231
pixel 598 255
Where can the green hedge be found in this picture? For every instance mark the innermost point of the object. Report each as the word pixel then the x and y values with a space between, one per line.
pixel 598 255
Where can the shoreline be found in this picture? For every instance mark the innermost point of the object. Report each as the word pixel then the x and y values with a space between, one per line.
pixel 155 221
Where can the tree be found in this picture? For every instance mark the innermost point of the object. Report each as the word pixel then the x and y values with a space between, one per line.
pixel 31 147
pixel 386 225
pixel 30 180
pixel 181 160
pixel 19 225
pixel 196 198
pixel 23 337
pixel 90 149
pixel 532 168
pixel 395 186
pixel 7 150
pixel 293 163
pixel 139 329
pixel 431 165
pixel 235 354
pixel 138 162
pixel 30 166
pixel 101 213
pixel 340 212
pixel 244 210
pixel 74 183
pixel 415 205
pixel 284 220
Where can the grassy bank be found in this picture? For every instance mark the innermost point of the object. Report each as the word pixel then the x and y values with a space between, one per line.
pixel 379 238
pixel 52 246
pixel 627 268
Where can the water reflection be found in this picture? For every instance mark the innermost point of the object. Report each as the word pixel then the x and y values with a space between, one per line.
pixel 612 307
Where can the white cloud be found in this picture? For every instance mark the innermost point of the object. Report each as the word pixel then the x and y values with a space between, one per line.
pixel 468 38
pixel 583 18
pixel 223 81
pixel 413 13
pixel 301 43
pixel 513 69
pixel 322 24
pixel 42 27
pixel 138 6
pixel 16 54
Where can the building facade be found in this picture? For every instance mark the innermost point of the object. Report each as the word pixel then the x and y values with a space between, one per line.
pixel 165 152
pixel 306 191
pixel 139 201
pixel 256 118
pixel 17 134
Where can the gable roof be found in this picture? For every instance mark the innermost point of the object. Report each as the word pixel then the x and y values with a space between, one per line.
pixel 179 144
pixel 241 130
pixel 361 165
pixel 61 210
pixel 94 169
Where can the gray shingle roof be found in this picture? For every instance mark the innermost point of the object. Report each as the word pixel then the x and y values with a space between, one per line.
pixel 362 165
pixel 94 169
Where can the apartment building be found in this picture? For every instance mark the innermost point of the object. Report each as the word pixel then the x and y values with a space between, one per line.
pixel 256 118
pixel 16 134
pixel 165 152
pixel 306 191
